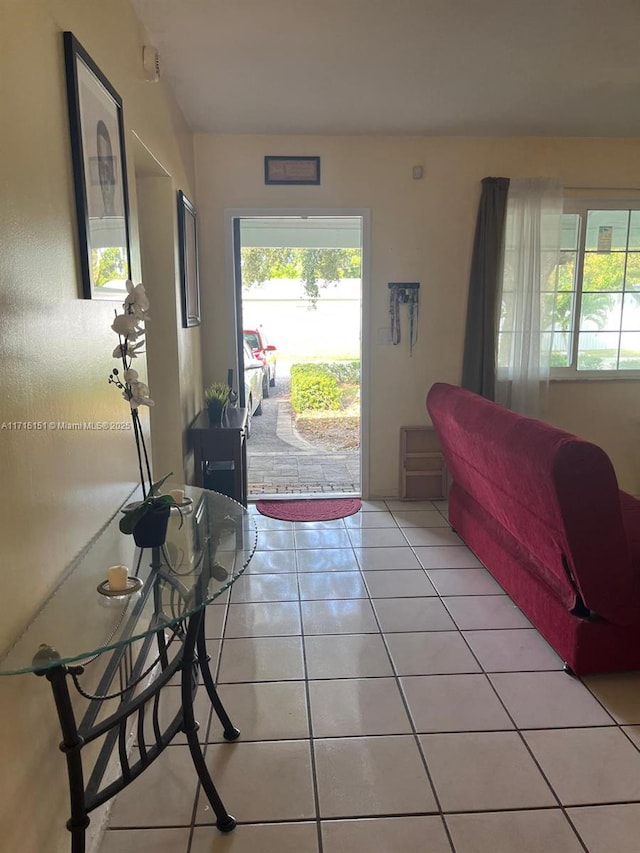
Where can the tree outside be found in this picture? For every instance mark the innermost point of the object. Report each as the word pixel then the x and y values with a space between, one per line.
pixel 108 266
pixel 316 269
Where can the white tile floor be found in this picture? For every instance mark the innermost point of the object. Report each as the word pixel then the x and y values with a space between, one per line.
pixel 392 699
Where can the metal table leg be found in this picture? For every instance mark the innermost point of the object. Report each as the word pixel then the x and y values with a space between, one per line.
pixel 71 746
pixel 225 822
pixel 230 731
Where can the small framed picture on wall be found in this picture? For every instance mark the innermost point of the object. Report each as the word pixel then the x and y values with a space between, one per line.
pixel 188 244
pixel 292 170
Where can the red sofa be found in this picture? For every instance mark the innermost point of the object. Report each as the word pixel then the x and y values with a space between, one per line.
pixel 542 510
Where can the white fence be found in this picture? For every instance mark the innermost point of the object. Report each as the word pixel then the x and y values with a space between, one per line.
pixel 330 330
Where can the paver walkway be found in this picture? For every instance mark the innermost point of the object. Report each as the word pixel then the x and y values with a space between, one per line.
pixel 281 462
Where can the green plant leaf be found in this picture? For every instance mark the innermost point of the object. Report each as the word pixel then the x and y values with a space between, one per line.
pixel 131 517
pixel 155 486
pixel 162 500
pixel 218 393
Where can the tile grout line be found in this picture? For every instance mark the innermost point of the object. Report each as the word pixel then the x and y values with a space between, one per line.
pixel 312 752
pixel 416 738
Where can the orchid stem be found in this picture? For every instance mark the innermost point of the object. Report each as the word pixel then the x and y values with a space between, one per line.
pixel 146 458
pixel 137 432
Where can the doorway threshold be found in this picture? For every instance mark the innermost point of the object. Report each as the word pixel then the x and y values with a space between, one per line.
pixel 302 494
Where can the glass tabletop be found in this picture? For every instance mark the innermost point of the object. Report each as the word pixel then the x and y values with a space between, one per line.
pixel 209 544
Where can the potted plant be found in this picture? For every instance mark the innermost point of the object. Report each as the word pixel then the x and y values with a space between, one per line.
pixel 217 397
pixel 148 519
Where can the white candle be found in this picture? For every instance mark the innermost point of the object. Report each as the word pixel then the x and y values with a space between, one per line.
pixel 177 495
pixel 117 577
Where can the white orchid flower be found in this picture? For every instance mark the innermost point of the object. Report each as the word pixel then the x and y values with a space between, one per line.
pixel 139 395
pixel 126 325
pixel 129 326
pixel 136 300
pixel 129 350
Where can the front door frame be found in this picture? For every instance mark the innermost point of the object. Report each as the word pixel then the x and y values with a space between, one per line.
pixel 234 282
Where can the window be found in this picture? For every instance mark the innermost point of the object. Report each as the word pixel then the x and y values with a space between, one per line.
pixel 252 339
pixel 591 310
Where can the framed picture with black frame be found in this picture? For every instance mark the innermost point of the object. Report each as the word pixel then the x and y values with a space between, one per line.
pixel 292 170
pixel 99 173
pixel 188 243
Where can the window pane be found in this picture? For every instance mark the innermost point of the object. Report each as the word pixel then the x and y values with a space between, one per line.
pixel 634 231
pixel 561 346
pixel 557 311
pixel 632 280
pixel 504 348
pixel 598 350
pixel 594 292
pixel 630 351
pixel 563 276
pixel 631 312
pixel 547 303
pixel 603 272
pixel 507 312
pixel 600 312
pixel 570 231
pixel 607 230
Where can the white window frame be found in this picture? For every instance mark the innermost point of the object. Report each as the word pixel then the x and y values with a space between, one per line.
pixel 577 205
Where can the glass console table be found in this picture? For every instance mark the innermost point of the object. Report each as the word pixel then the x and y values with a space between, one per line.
pixel 119 651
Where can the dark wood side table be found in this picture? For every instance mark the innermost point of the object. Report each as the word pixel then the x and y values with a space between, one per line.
pixel 225 443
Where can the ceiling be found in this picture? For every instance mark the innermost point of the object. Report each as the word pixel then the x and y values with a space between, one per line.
pixel 435 67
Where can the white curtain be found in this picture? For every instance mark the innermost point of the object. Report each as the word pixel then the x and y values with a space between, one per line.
pixel 530 261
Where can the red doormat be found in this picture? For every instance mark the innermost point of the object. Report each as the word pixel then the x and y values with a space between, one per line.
pixel 309 509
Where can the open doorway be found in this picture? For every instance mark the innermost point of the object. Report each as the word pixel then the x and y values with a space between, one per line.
pixel 299 300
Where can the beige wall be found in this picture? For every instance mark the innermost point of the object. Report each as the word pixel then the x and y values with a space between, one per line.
pixel 420 231
pixel 55 356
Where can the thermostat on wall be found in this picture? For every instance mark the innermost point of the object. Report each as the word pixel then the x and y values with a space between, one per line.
pixel 151 63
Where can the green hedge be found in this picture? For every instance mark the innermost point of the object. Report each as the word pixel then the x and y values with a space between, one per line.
pixel 345 371
pixel 316 386
pixel 313 388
